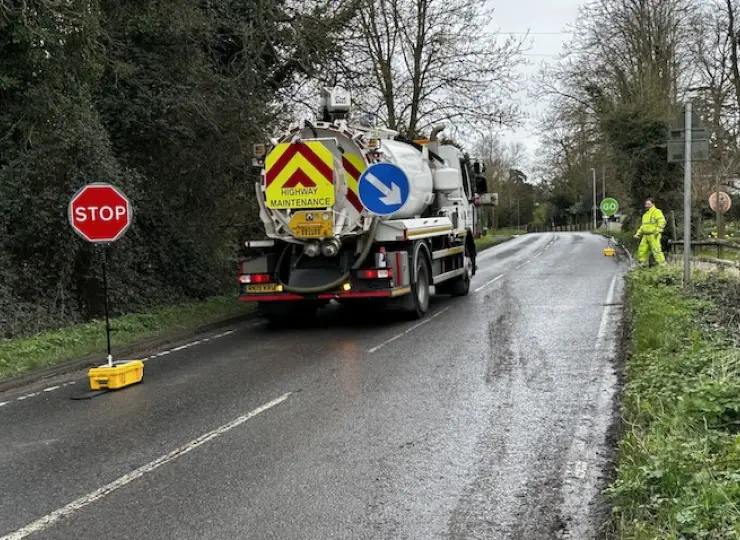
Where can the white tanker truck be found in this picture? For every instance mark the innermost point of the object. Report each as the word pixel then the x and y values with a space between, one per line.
pixel 358 214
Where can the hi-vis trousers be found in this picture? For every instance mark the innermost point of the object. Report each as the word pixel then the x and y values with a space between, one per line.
pixel 650 243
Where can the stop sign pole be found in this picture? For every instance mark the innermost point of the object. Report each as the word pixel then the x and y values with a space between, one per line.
pixel 101 214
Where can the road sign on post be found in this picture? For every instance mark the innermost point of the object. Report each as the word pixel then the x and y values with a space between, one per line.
pixel 100 213
pixel 724 204
pixel 609 206
pixel 383 188
pixel 677 139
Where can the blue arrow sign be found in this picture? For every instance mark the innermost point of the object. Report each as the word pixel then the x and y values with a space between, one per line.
pixel 383 188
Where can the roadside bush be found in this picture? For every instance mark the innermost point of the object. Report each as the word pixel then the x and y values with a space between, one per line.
pixel 679 457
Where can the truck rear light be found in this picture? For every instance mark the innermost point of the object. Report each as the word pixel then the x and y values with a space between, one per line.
pixel 255 278
pixel 380 273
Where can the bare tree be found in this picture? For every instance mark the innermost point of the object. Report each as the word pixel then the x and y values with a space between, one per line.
pixel 614 90
pixel 716 53
pixel 417 62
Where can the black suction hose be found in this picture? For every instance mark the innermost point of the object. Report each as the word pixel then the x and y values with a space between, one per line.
pixel 334 284
pixel 312 128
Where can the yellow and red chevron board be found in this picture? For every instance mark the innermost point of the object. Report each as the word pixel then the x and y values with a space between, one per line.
pixel 299 175
pixel 354 166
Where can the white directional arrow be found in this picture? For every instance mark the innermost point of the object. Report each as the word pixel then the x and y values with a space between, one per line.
pixel 391 195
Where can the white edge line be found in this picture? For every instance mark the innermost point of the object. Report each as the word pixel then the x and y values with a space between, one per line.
pixel 605 316
pixel 394 338
pixel 577 469
pixel 160 354
pixel 487 283
pixel 49 519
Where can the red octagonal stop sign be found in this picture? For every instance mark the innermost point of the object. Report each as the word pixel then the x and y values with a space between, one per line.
pixel 100 213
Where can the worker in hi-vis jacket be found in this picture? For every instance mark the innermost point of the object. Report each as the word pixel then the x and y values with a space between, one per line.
pixel 651 229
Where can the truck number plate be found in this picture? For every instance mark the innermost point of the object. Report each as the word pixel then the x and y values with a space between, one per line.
pixel 261 288
pixel 312 224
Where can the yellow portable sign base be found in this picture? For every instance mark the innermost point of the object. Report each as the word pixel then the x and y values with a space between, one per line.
pixel 609 252
pixel 120 375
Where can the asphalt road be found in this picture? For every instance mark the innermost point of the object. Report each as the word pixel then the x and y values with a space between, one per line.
pixel 487 419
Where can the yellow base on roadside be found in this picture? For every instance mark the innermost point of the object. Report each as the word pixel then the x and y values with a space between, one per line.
pixel 118 376
pixel 609 252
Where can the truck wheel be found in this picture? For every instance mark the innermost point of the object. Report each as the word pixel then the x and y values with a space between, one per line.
pixel 416 304
pixel 460 286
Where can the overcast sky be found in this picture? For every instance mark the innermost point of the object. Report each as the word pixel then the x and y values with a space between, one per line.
pixel 548 22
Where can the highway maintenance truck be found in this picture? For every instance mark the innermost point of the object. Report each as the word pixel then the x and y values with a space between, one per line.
pixel 359 215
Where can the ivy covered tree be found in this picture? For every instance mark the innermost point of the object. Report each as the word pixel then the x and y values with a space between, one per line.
pixel 163 99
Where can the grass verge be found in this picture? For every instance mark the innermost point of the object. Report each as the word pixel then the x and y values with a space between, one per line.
pixel 490 240
pixel 509 232
pixel 19 356
pixel 679 455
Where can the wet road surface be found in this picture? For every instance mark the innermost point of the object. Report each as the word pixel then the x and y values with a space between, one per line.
pixel 487 419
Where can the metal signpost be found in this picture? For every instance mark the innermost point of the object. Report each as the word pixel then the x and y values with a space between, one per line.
pixel 593 173
pixel 686 144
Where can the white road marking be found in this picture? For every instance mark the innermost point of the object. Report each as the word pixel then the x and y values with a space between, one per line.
pixel 3 403
pixel 487 283
pixel 397 336
pixel 34 394
pixel 190 344
pixel 590 433
pixel 160 354
pixel 549 244
pixel 49 519
pixel 580 469
pixel 605 316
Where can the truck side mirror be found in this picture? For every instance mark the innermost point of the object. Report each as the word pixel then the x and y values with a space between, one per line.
pixel 479 167
pixel 481 186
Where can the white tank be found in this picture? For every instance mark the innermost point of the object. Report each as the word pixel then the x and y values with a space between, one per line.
pixel 421 181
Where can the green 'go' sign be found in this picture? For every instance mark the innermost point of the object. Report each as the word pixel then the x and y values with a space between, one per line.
pixel 609 206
